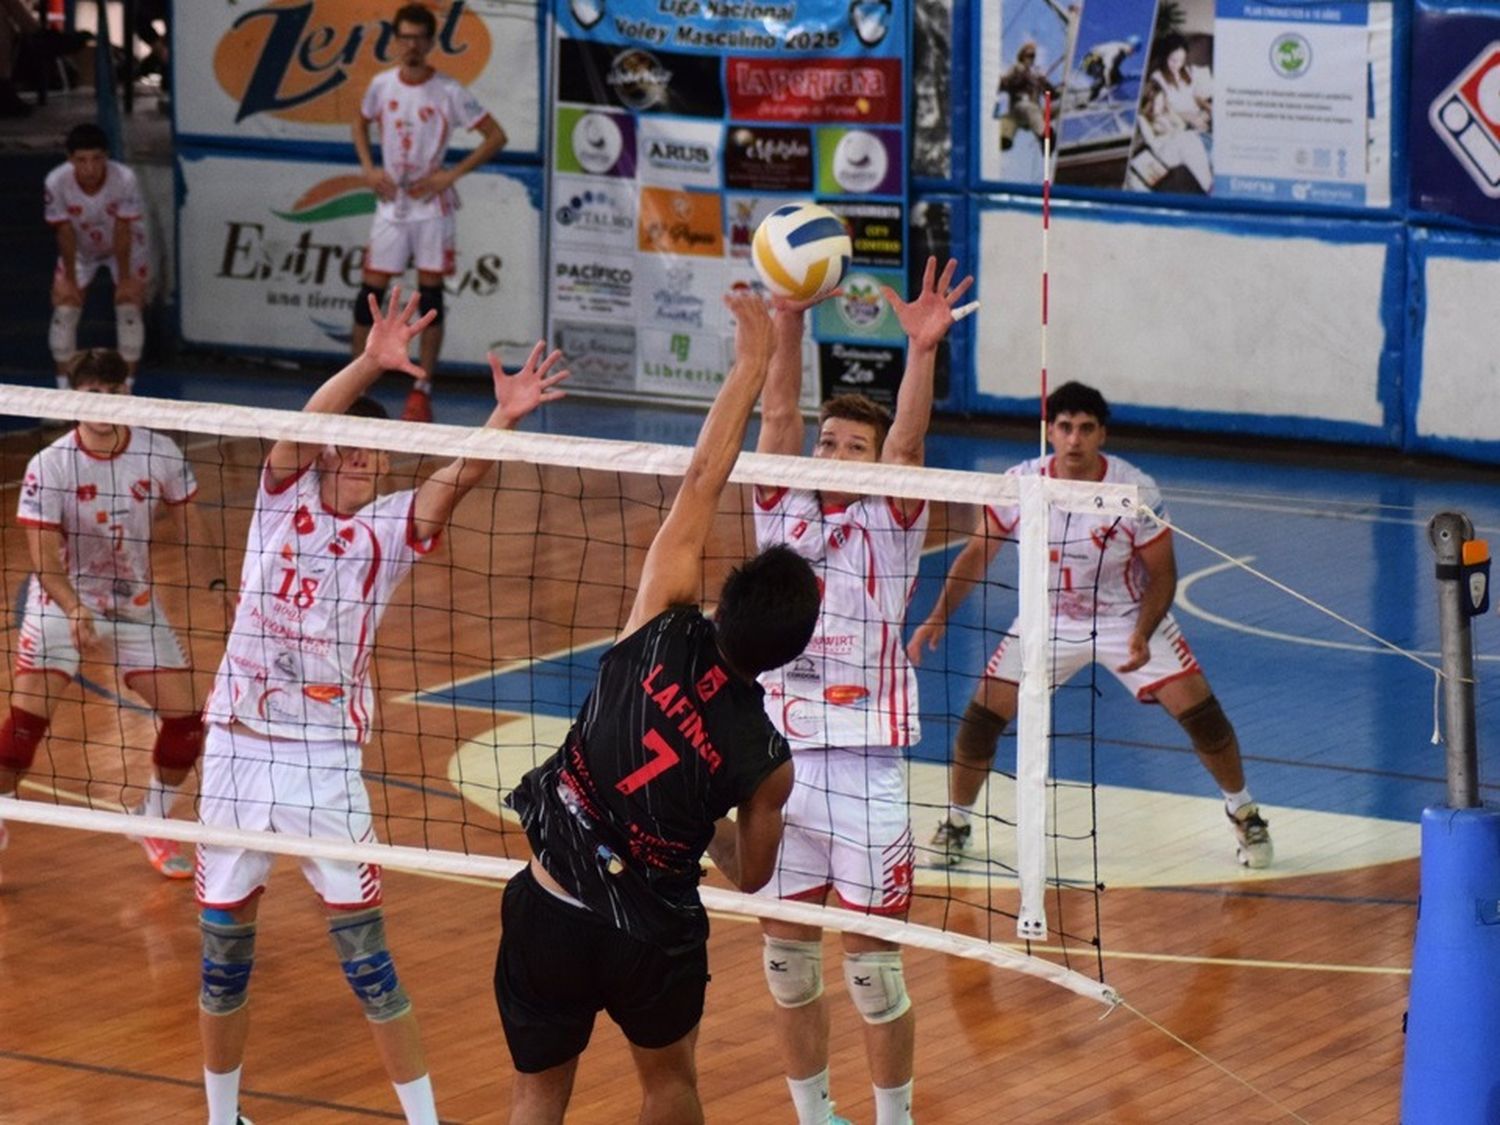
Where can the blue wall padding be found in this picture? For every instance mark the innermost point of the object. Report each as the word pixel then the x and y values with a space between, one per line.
pixel 1452 1071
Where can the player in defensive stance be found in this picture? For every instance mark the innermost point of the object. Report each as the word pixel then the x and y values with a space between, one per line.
pixel 291 705
pixel 417 110
pixel 89 503
pixel 848 706
pixel 673 736
pixel 1125 594
pixel 94 206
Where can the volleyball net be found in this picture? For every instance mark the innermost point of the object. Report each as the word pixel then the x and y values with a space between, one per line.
pixel 488 649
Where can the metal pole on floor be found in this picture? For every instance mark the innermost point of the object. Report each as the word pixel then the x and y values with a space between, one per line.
pixel 1451 1072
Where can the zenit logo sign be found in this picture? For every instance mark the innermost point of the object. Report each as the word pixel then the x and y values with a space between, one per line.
pixel 1466 116
pixel 310 60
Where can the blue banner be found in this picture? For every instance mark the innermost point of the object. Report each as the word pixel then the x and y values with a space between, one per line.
pixel 1455 115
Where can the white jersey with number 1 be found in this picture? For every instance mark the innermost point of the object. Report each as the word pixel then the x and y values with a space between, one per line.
pixel 314 586
pixel 852 686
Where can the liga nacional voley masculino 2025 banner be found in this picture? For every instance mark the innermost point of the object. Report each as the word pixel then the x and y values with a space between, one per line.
pixel 677 126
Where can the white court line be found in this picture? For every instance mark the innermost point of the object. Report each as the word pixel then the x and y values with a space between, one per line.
pixel 1353 516
pixel 1187 605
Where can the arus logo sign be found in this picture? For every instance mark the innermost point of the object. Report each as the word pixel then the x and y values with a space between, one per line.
pixel 310 60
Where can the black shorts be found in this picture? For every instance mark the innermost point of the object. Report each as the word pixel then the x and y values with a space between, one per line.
pixel 560 965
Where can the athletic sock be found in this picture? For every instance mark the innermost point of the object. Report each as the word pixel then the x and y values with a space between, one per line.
pixel 810 1099
pixel 423 385
pixel 893 1106
pixel 158 800
pixel 960 815
pixel 416 1100
pixel 63 382
pixel 223 1092
pixel 1234 802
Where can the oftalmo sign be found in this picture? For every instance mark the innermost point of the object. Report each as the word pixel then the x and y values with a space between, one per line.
pixel 310 60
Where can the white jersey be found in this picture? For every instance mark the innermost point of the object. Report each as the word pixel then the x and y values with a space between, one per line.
pixel 93 216
pixel 312 591
pixel 416 126
pixel 104 507
pixel 1094 558
pixel 852 686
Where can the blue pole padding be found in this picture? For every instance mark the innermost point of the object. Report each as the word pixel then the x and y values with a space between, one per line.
pixel 1452 1070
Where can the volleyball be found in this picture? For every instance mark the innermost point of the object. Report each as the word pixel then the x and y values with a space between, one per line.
pixel 801 251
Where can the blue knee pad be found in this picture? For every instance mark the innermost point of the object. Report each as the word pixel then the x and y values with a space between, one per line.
pixel 362 314
pixel 359 939
pixel 228 957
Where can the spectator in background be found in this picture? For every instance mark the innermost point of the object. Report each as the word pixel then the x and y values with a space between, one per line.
pixel 94 205
pixel 21 33
pixel 417 110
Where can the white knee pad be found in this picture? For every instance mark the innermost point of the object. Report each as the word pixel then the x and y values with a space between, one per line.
pixel 62 334
pixel 794 971
pixel 877 985
pixel 130 332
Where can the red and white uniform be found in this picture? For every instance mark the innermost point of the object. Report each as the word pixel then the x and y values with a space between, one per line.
pixel 93 219
pixel 291 704
pixel 1096 579
pixel 848 704
pixel 416 125
pixel 104 507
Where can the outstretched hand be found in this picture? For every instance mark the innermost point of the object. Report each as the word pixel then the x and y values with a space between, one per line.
pixel 926 319
pixel 536 383
pixel 753 338
pixel 392 331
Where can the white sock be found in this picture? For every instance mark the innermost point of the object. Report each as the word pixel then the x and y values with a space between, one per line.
pixel 223 1092
pixel 158 800
pixel 893 1107
pixel 423 385
pixel 416 1101
pixel 810 1099
pixel 960 815
pixel 1234 802
pixel 62 382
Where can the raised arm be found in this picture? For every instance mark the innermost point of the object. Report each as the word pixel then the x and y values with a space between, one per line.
pixel 673 573
pixel 968 570
pixel 515 397
pixel 925 321
pixel 387 349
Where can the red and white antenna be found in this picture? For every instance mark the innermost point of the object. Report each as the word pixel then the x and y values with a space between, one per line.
pixel 1046 226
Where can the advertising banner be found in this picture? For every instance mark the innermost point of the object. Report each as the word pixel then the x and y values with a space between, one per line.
pixel 271 253
pixel 677 127
pixel 1228 99
pixel 1455 115
pixel 295 70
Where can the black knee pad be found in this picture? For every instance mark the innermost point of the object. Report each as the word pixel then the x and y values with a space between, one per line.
pixel 362 314
pixel 1208 727
pixel 430 297
pixel 979 733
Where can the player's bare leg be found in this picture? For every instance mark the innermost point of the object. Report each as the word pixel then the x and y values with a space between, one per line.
pixel 542 1098
pixel 890 1046
pixel 1191 702
pixel 802 1029
pixel 669 1082
pixel 990 710
pixel 179 744
pixel 419 400
pixel 399 1042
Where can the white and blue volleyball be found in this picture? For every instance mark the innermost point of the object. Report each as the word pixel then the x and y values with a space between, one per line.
pixel 801 251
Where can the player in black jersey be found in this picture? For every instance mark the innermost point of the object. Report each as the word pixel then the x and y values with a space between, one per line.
pixel 673 736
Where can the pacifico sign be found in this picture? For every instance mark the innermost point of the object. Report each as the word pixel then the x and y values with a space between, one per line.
pixel 296 69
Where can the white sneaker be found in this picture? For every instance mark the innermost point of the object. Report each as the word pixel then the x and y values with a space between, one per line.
pixel 1252 837
pixel 951 841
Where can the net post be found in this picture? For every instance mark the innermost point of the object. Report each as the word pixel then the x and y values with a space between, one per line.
pixel 1452 1060
pixel 1449 533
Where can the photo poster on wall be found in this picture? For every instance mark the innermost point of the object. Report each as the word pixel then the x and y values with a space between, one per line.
pixel 1232 100
pixel 676 128
pixel 1455 114
pixel 266 73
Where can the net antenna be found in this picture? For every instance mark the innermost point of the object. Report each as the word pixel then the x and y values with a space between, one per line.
pixel 494 618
